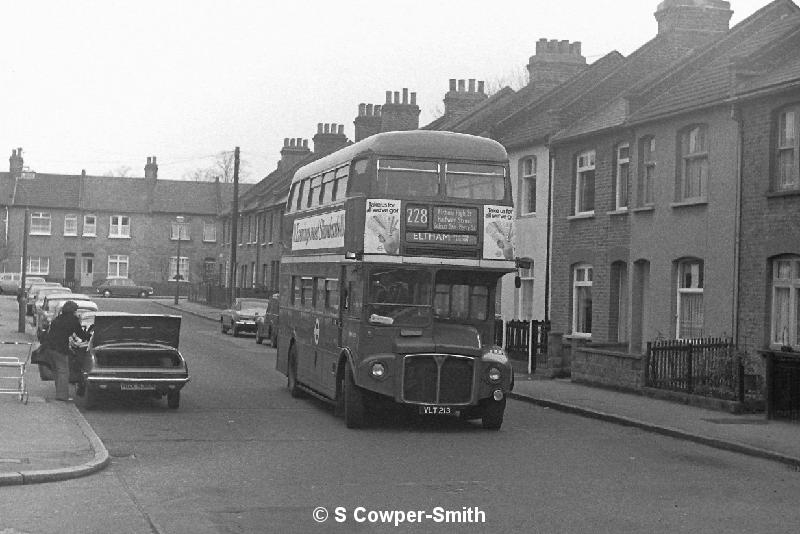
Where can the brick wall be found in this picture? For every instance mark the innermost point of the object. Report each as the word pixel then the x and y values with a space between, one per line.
pixel 770 225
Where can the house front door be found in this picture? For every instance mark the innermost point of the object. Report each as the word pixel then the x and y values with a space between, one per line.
pixel 87 272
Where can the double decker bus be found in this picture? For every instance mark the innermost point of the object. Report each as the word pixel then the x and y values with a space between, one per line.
pixel 388 291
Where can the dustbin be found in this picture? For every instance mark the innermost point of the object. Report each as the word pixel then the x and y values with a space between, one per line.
pixel 783 384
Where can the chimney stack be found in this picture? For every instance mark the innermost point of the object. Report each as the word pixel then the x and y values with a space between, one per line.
pixel 712 16
pixel 15 163
pixel 554 63
pixel 459 100
pixel 399 115
pixel 329 138
pixel 293 152
pixel 368 121
pixel 151 169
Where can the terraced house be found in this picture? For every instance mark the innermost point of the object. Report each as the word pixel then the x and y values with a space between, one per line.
pixel 82 229
pixel 675 204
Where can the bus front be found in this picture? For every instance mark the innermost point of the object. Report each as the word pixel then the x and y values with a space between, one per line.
pixel 437 238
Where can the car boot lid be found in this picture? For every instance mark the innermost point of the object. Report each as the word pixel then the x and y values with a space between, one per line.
pixel 136 328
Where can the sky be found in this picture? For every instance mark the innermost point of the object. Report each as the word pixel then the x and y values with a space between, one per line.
pixel 103 85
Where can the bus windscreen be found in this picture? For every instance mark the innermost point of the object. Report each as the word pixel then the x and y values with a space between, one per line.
pixel 399 178
pixel 475 181
pixel 399 297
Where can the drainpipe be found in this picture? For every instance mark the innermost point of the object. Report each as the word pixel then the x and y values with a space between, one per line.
pixel 736 114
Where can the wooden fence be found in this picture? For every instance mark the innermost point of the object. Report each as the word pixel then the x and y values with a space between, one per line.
pixel 520 342
pixel 709 367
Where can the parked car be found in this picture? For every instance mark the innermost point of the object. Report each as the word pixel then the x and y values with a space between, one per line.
pixel 267 323
pixel 36 289
pixel 132 354
pixel 51 307
pixel 30 280
pixel 9 282
pixel 123 287
pixel 241 317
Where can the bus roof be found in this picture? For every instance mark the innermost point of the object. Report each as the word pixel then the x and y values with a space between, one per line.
pixel 412 143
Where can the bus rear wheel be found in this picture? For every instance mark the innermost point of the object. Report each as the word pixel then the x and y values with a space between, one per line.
pixel 291 380
pixel 493 411
pixel 354 409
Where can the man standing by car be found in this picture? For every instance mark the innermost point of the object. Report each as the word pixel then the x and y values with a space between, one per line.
pixel 57 342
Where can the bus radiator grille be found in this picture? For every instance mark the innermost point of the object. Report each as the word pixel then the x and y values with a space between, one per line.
pixel 437 379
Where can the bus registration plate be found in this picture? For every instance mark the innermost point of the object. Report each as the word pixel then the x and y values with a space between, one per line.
pixel 437 410
pixel 137 387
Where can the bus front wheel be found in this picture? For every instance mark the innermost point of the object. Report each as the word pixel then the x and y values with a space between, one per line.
pixel 493 411
pixel 354 410
pixel 291 380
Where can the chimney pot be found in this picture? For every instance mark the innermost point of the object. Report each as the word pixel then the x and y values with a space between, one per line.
pixel 397 97
pixel 319 127
pixel 341 129
pixel 285 141
pixel 480 87
pixel 305 143
pixel 388 97
pixel 461 86
pixel 363 109
pixel 472 85
pixel 452 84
pixel 299 142
pixel 368 111
pixel 405 95
pixel 378 110
pixel 413 98
pixel 326 128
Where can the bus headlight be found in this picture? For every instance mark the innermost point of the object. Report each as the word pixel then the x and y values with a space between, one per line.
pixel 378 370
pixel 494 374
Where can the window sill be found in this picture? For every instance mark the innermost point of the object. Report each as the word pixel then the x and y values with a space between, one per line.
pixel 46 235
pixel 688 203
pixel 583 337
pixel 70 235
pixel 530 215
pixel 618 212
pixel 783 193
pixel 644 209
pixel 119 237
pixel 587 215
pixel 89 235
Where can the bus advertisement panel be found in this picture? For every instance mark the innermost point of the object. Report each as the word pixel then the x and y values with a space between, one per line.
pixel 389 290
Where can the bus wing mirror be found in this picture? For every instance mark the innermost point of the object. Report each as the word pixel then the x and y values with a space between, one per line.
pixel 517 282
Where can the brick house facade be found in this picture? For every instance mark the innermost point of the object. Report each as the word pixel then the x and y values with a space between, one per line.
pixel 85 228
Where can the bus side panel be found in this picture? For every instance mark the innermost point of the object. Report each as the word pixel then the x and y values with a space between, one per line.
pixel 328 344
pixel 284 330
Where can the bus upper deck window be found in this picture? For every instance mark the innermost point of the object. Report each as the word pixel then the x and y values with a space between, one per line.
pixel 299 195
pixel 475 181
pixel 341 182
pixel 403 178
pixel 328 187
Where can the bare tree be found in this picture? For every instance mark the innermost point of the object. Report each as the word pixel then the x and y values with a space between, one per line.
pixel 120 172
pixel 222 167
pixel 515 79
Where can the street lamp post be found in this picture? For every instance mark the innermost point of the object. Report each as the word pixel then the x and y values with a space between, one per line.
pixel 179 220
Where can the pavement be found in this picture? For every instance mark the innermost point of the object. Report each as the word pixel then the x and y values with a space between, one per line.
pixel 46 440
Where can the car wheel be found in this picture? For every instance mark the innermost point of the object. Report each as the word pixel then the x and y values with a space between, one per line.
pixel 106 293
pixel 291 380
pixel 173 399
pixel 222 324
pixel 493 411
pixel 354 412
pixel 142 294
